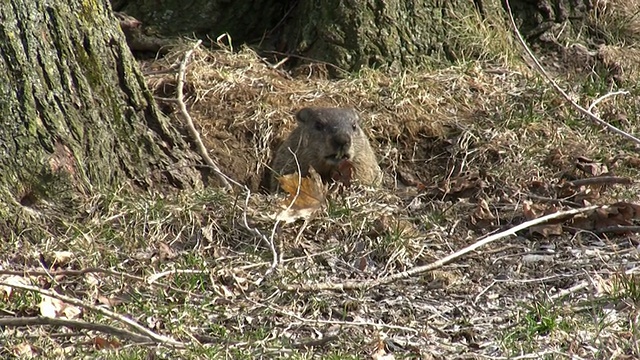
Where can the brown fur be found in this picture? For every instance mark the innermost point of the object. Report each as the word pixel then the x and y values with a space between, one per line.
pixel 323 138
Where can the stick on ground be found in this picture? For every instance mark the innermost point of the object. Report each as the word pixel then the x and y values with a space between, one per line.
pixel 362 285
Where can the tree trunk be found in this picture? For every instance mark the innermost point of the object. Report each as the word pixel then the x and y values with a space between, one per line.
pixel 537 17
pixel 75 112
pixel 351 34
pixel 396 33
pixel 246 21
pixel 347 34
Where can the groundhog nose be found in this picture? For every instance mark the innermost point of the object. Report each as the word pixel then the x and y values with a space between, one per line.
pixel 342 142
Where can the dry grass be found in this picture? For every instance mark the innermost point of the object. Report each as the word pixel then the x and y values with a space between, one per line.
pixel 479 139
pixel 617 21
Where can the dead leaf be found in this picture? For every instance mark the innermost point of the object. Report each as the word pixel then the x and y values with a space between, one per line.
pixel 532 211
pixel 591 167
pixel 62 257
pixel 619 214
pixel 5 290
pixel 482 216
pixel 310 198
pixel 609 218
pixel 343 172
pixel 547 230
pixel 465 185
pixel 54 308
pixel 102 343
pixel 166 252
pixel 24 350
pixel 580 194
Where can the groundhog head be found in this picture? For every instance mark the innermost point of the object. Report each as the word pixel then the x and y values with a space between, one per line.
pixel 331 132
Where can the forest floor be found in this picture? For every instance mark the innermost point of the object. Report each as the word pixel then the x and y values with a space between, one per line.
pixel 468 152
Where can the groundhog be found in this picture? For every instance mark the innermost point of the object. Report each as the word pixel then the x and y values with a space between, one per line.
pixel 323 139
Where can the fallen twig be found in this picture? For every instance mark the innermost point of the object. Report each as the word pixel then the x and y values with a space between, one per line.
pixel 581 109
pixel 202 150
pixel 601 180
pixel 73 324
pixel 605 96
pixel 335 322
pixel 139 328
pixel 361 285
pixel 69 272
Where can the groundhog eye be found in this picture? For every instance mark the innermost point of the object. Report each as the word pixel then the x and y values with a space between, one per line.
pixel 354 126
pixel 319 126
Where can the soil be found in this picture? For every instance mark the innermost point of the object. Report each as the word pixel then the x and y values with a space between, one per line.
pixel 467 152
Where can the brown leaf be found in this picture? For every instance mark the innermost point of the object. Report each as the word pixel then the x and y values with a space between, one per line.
pixel 608 218
pixel 547 230
pixel 532 211
pixel 591 167
pixel 102 343
pixel 581 194
pixel 343 172
pixel 618 214
pixel 465 185
pixel 166 252
pixel 310 198
pixel 482 216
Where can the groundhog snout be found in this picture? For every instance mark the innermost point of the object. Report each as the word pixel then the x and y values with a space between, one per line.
pixel 341 143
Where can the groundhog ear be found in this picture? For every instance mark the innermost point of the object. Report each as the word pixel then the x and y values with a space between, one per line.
pixel 305 115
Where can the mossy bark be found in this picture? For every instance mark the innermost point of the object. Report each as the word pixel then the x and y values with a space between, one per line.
pixel 347 34
pixel 245 21
pixel 351 34
pixel 75 114
pixel 396 33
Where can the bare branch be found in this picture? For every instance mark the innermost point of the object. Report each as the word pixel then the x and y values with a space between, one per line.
pixel 581 109
pixel 601 180
pixel 360 285
pixel 73 324
pixel 141 329
pixel 202 150
pixel 70 272
pixel 605 96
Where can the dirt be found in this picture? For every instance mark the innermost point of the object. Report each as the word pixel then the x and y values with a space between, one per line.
pixel 467 152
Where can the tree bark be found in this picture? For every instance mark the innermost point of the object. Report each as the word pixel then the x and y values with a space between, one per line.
pixel 247 21
pixel 350 34
pixel 537 17
pixel 345 33
pixel 397 33
pixel 75 112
